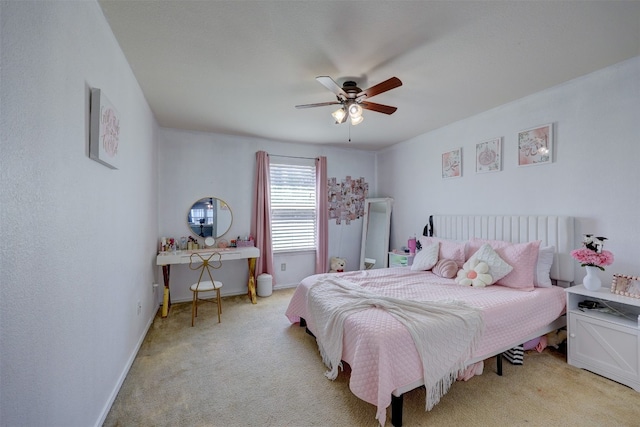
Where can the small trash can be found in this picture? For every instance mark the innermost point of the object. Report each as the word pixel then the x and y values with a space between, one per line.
pixel 265 285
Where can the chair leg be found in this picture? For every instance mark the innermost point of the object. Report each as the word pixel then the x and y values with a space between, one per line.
pixel 219 304
pixel 194 307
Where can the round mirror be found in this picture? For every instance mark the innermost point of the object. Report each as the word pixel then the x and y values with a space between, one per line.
pixel 209 217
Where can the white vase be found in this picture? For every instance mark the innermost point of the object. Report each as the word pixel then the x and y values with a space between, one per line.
pixel 591 280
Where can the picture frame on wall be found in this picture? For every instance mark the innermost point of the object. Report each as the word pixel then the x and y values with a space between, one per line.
pixel 452 163
pixel 535 145
pixel 104 131
pixel 489 156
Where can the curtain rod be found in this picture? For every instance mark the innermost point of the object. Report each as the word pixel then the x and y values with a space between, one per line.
pixel 293 157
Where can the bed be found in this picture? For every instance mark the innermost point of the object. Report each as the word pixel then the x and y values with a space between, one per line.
pixel 381 348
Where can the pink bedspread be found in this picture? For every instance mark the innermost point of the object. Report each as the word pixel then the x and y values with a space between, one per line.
pixel 379 348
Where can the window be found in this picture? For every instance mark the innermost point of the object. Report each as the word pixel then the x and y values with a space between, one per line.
pixel 293 207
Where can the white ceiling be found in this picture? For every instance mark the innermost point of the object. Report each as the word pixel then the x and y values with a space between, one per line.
pixel 240 67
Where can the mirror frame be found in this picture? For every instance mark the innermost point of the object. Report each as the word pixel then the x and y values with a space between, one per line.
pixel 219 235
pixel 365 226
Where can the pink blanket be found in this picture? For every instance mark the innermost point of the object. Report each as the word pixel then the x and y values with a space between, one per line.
pixel 380 350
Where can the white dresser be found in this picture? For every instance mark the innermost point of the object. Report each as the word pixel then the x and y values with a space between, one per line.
pixel 606 340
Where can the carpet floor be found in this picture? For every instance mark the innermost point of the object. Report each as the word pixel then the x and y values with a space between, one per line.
pixel 256 369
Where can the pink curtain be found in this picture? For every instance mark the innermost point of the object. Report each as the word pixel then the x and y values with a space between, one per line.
pixel 261 217
pixel 322 220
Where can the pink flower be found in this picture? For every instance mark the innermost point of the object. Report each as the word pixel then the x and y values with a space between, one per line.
pixel 587 257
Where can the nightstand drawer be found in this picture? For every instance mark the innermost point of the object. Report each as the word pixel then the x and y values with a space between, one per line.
pixel 604 347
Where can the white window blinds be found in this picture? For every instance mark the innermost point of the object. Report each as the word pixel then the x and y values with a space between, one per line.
pixel 293 207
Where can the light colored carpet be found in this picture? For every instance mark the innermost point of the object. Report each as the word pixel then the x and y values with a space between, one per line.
pixel 256 369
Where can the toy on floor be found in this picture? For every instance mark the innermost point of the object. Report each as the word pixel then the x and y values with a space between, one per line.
pixel 337 264
pixel 552 339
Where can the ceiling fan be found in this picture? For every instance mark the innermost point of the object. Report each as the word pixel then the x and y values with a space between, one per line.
pixel 352 99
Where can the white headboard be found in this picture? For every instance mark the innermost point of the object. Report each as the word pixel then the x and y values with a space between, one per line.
pixel 551 230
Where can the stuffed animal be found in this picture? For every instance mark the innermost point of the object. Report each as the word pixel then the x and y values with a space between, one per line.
pixel 552 339
pixel 555 338
pixel 337 264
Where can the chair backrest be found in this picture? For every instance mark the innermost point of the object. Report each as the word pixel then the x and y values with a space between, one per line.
pixel 205 264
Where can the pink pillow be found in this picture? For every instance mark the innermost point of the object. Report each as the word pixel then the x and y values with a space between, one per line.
pixel 446 268
pixel 523 257
pixel 448 249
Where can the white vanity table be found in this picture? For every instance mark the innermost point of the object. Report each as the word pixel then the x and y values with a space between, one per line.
pixel 167 259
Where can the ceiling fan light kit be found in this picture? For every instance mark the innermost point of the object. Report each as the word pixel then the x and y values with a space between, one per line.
pixel 340 114
pixel 352 99
pixel 355 113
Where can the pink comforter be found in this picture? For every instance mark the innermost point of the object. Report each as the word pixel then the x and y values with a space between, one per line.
pixel 380 350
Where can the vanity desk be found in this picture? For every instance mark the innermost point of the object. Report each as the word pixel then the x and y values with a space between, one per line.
pixel 167 259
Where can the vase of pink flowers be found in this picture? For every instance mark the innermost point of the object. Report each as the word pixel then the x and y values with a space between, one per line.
pixel 592 256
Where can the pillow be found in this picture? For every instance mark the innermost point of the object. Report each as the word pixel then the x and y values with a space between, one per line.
pixel 426 258
pixel 448 248
pixel 475 243
pixel 543 267
pixel 498 268
pixel 474 273
pixel 521 256
pixel 446 268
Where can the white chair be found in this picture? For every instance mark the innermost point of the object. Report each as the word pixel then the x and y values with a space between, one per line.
pixel 198 262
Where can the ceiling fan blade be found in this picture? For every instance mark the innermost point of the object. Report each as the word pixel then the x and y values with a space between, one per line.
pixel 374 90
pixel 386 109
pixel 330 84
pixel 319 104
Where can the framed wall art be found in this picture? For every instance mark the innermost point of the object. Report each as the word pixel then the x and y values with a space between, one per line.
pixel 104 131
pixel 628 286
pixel 535 145
pixel 489 156
pixel 452 163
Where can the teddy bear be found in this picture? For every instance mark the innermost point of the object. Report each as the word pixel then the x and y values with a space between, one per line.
pixel 337 264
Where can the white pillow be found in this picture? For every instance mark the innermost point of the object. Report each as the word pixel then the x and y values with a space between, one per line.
pixel 426 258
pixel 543 267
pixel 498 268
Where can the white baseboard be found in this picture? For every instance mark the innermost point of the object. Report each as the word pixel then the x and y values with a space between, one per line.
pixel 123 375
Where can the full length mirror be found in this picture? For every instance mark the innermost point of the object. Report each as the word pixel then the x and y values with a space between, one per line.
pixel 374 252
pixel 209 217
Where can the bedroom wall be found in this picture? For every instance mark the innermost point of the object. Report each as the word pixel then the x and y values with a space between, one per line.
pixel 594 174
pixel 199 164
pixel 78 239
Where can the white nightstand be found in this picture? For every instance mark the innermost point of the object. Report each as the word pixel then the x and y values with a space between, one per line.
pixel 399 259
pixel 606 343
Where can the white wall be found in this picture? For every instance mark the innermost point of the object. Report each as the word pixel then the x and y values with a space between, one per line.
pixel 197 164
pixel 594 175
pixel 74 266
pixel 78 239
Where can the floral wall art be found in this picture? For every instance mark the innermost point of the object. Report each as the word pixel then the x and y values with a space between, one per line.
pixel 452 163
pixel 346 199
pixel 535 145
pixel 489 156
pixel 104 132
